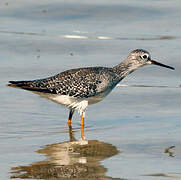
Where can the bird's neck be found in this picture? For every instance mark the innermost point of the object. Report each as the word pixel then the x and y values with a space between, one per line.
pixel 123 69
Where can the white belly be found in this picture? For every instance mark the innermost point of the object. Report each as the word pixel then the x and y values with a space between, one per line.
pixel 75 103
pixel 70 102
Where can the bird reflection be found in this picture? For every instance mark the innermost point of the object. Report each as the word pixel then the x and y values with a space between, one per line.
pixel 74 159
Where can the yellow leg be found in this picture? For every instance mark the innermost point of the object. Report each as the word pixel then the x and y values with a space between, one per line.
pixel 82 133
pixel 82 120
pixel 82 126
pixel 71 134
pixel 69 122
pixel 70 117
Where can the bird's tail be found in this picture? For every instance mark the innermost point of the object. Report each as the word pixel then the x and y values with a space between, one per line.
pixel 19 84
pixel 28 85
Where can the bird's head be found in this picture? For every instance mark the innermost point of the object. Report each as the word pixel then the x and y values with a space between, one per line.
pixel 140 57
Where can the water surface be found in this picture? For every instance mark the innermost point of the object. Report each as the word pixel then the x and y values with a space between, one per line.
pixel 132 134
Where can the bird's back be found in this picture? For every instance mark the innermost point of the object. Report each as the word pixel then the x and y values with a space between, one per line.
pixel 79 83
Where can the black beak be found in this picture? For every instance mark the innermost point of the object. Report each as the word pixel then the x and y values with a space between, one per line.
pixel 160 64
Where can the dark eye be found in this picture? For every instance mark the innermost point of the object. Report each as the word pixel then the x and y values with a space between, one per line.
pixel 144 56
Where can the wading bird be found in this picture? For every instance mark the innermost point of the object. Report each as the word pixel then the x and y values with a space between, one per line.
pixel 77 88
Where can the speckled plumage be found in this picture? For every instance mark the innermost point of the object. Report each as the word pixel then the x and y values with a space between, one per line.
pixel 76 88
pixel 79 83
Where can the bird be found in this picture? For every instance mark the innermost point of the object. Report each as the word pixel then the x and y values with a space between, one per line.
pixel 80 87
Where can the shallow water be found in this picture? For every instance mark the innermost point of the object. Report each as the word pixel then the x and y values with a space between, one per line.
pixel 134 133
